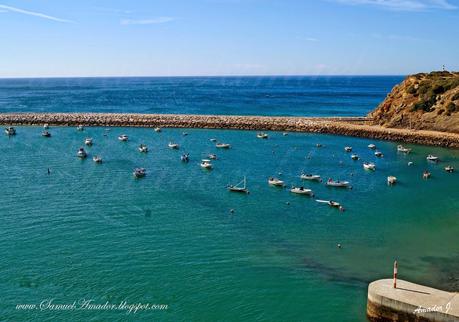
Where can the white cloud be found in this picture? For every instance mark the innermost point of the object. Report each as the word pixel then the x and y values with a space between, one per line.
pixel 32 13
pixel 152 21
pixel 311 39
pixel 404 5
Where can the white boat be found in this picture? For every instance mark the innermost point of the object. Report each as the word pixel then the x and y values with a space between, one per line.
pixel 410 163
pixel 331 203
pixel 449 169
pixel 213 140
pixel 212 156
pixel 371 146
pixel 401 148
pixel 46 134
pixel 319 145
pixel 337 183
pixel 157 129
pixel 262 135
pixel 426 175
pixel 285 133
pixel 173 145
pixel 206 164
pixel 139 172
pixel 184 134
pixel 123 137
pixel 311 177
pixel 185 157
pixel 82 153
pixel 391 180
pixel 80 128
pixel 369 166
pixel 275 182
pixel 46 126
pixel 432 158
pixel 143 148
pixel 97 159
pixel 238 187
pixel 223 145
pixel 302 191
pixel 379 154
pixel 10 130
pixel 348 148
pixel 88 141
pixel 355 157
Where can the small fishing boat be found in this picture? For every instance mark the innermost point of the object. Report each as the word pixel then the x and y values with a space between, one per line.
pixel 449 169
pixel 185 157
pixel 262 135
pixel 410 163
pixel 46 126
pixel 143 148
pixel 432 158
pixel 80 128
pixel 302 191
pixel 331 203
pixel 213 140
pixel 139 172
pixel 223 145
pixel 206 164
pixel 426 175
pixel 212 156
pixel 184 134
pixel 348 148
pixel 379 154
pixel 285 133
pixel 371 146
pixel 97 159
pixel 318 145
pixel 123 137
pixel 238 187
pixel 311 177
pixel 355 157
pixel 81 153
pixel 369 166
pixel 391 180
pixel 401 148
pixel 337 183
pixel 275 182
pixel 173 145
pixel 46 134
pixel 88 141
pixel 157 129
pixel 10 130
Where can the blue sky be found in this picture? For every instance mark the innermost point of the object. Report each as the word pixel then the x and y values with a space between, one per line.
pixel 227 37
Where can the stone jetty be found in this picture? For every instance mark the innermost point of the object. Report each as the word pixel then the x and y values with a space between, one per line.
pixel 358 126
pixel 410 302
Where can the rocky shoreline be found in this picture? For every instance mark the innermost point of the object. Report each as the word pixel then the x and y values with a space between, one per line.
pixel 358 127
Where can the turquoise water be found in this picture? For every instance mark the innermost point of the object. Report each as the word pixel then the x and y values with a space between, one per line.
pixel 92 231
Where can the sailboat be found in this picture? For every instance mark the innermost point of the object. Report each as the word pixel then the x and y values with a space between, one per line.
pixel 238 187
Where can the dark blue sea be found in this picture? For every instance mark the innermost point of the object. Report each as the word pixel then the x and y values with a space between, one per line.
pixel 289 96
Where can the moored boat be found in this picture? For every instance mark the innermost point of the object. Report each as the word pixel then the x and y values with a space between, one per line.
pixel 275 182
pixel 355 157
pixel 185 157
pixel 139 172
pixel 449 168
pixel 223 145
pixel 46 134
pixel 238 187
pixel 143 148
pixel 426 175
pixel 371 146
pixel 401 148
pixel 46 126
pixel 206 164
pixel 302 191
pixel 212 156
pixel 172 145
pixel 97 159
pixel 379 154
pixel 369 166
pixel 88 141
pixel 123 137
pixel 262 135
pixel 432 158
pixel 337 183
pixel 311 177
pixel 81 153
pixel 391 180
pixel 331 203
pixel 157 129
pixel 348 148
pixel 10 130
pixel 80 128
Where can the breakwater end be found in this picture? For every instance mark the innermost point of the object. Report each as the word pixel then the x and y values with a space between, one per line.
pixel 349 126
pixel 410 302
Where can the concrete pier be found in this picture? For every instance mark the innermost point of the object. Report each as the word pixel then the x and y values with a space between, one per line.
pixel 410 302
pixel 357 126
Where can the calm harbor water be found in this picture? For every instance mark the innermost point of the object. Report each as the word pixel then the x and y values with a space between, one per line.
pixel 92 231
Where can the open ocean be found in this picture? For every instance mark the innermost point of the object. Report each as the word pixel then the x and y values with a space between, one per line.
pixel 91 231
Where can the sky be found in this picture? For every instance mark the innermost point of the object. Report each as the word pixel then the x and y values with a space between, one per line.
pixel 58 38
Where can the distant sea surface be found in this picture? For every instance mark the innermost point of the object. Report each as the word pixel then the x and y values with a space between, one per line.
pixel 274 95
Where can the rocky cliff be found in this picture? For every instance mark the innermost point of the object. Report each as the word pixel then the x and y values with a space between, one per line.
pixel 422 101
